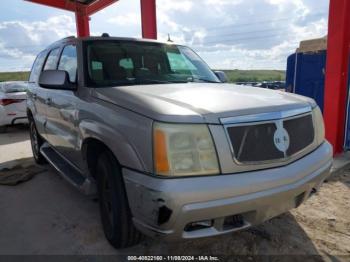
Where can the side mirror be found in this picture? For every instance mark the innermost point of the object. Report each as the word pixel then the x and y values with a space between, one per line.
pixel 222 76
pixel 55 79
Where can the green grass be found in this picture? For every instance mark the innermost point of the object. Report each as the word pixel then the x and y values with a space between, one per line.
pixel 14 76
pixel 233 75
pixel 255 75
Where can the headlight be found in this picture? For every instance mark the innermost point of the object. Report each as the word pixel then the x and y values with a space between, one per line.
pixel 184 150
pixel 319 125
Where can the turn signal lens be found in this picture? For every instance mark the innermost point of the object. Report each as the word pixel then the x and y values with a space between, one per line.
pixel 160 152
pixel 319 125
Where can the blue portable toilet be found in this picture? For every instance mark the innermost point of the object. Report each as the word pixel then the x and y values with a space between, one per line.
pixel 306 70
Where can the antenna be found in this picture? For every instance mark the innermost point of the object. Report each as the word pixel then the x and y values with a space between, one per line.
pixel 169 39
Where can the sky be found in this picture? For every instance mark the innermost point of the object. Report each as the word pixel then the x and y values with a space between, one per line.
pixel 227 34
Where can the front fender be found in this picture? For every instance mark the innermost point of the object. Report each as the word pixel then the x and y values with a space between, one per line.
pixel 118 143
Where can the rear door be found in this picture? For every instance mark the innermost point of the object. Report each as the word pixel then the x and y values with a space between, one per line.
pixel 36 94
pixel 50 110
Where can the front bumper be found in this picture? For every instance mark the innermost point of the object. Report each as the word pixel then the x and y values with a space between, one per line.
pixel 167 207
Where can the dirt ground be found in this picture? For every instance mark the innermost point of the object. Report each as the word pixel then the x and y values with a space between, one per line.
pixel 47 216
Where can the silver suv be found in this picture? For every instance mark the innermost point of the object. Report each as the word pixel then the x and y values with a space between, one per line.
pixel 170 150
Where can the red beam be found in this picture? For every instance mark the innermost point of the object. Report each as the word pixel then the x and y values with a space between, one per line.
pixel 149 19
pixel 61 4
pixel 337 72
pixel 98 6
pixel 82 22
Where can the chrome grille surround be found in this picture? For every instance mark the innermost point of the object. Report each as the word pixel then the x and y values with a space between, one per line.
pixel 277 119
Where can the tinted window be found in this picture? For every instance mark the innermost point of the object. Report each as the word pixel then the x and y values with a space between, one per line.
pixel 51 62
pixel 112 63
pixel 68 62
pixel 37 67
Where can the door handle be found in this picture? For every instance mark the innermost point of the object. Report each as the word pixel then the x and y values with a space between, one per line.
pixel 48 101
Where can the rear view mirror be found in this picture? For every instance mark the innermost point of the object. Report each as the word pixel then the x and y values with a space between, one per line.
pixel 55 79
pixel 222 76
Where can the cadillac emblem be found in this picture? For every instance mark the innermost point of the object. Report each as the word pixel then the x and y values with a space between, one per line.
pixel 281 138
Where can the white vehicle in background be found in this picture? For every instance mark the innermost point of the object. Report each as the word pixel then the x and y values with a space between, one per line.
pixel 13 96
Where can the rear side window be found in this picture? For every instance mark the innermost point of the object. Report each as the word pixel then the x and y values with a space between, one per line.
pixel 68 62
pixel 37 67
pixel 51 62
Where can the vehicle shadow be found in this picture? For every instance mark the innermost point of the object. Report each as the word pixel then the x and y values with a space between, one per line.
pixel 281 235
pixel 14 134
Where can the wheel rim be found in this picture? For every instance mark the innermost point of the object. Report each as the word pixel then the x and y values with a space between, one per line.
pixel 34 140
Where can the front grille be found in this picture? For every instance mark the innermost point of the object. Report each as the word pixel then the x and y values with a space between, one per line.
pixel 257 142
pixel 301 133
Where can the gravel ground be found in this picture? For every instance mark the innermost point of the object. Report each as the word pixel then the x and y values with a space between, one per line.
pixel 47 216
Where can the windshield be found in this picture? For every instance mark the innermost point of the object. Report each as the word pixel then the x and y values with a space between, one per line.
pixel 112 63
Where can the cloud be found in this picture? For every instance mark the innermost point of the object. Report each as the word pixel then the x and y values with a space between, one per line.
pixel 126 20
pixel 246 34
pixel 21 41
pixel 176 6
pixel 226 33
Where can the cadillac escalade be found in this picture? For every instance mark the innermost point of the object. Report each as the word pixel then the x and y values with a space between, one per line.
pixel 170 149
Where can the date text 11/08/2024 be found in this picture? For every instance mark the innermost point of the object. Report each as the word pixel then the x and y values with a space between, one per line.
pixel 173 258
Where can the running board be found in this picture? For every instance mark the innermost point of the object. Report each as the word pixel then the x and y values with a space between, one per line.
pixel 67 171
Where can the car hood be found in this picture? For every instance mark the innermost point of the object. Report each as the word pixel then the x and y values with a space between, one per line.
pixel 199 102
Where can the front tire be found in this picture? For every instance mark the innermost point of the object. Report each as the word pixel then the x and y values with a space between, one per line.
pixel 36 142
pixel 114 208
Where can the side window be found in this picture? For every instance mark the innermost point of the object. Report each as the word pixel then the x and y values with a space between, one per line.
pixel 37 67
pixel 68 62
pixel 51 62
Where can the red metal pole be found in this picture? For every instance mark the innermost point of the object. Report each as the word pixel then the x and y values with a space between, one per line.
pixel 98 6
pixel 149 19
pixel 337 72
pixel 82 22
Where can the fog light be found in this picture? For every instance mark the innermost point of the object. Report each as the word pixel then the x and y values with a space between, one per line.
pixel 199 225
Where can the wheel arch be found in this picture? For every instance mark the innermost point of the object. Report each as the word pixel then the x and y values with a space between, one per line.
pixel 97 137
pixel 91 149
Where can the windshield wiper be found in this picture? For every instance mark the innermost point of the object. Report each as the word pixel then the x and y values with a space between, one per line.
pixel 194 79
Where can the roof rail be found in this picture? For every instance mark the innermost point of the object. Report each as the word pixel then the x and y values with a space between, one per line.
pixel 68 37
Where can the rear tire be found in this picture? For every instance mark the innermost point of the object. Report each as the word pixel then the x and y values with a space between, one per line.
pixel 36 142
pixel 114 208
